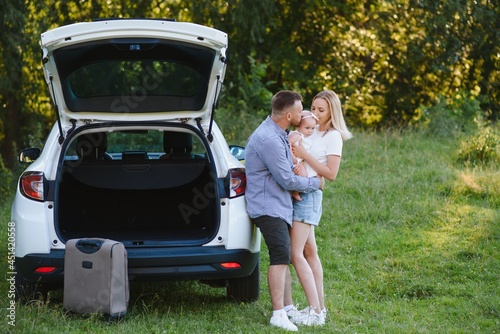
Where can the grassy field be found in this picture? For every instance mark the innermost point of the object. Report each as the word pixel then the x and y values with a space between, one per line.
pixel 409 242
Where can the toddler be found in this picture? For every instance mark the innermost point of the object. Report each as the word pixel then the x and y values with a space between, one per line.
pixel 301 137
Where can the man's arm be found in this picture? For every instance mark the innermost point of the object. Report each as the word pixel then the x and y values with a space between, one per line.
pixel 277 156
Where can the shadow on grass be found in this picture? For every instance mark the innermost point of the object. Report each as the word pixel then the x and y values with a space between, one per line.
pixel 177 294
pixel 165 297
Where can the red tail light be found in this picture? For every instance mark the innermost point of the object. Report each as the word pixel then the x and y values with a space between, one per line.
pixel 45 270
pixel 237 182
pixel 230 265
pixel 32 185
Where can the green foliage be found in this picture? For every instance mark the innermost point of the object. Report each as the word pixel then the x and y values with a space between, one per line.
pixel 6 180
pixel 238 115
pixel 384 58
pixel 482 147
pixel 461 118
pixel 450 116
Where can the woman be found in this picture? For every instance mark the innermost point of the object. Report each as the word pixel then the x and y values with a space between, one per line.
pixel 324 158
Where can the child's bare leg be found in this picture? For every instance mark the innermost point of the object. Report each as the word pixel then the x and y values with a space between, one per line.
pixel 296 196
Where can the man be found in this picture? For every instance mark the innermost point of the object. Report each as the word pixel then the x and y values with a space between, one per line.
pixel 270 178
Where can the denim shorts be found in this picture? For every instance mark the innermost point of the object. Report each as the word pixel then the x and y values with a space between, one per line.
pixel 309 209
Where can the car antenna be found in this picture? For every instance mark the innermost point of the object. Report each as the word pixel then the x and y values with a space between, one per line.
pixel 61 135
pixel 210 137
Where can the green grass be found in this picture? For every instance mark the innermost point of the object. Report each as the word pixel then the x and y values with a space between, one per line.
pixel 409 242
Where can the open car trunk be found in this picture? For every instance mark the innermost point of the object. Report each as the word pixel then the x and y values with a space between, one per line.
pixel 138 201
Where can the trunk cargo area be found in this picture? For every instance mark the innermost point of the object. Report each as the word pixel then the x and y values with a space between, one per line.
pixel 138 202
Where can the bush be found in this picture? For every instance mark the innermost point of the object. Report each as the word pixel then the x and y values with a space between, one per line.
pixel 481 147
pixel 450 117
pixel 6 181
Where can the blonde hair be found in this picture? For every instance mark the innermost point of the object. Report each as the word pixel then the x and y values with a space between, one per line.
pixel 337 121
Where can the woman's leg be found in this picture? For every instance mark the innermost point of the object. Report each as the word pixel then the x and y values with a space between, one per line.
pixel 299 234
pixel 312 258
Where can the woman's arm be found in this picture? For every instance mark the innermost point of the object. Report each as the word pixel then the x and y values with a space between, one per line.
pixel 329 171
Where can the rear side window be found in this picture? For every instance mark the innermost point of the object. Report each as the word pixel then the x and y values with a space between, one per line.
pixel 135 145
pixel 147 141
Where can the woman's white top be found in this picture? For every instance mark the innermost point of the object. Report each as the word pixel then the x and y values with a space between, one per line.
pixel 322 146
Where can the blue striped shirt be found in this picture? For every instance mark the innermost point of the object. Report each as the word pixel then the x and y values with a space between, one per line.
pixel 269 172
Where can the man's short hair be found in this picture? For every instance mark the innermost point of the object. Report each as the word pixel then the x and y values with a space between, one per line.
pixel 282 100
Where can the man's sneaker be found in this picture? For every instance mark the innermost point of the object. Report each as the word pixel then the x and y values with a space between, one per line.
pixel 312 318
pixel 281 320
pixel 296 316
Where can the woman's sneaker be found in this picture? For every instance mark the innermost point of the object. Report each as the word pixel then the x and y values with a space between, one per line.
pixel 323 313
pixel 296 316
pixel 312 318
pixel 281 320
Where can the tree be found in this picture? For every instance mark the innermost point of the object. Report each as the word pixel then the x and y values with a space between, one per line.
pixel 11 50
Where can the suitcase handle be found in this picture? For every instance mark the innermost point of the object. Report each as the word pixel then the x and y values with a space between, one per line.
pixel 89 246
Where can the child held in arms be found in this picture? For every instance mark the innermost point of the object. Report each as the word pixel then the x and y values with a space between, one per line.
pixel 301 137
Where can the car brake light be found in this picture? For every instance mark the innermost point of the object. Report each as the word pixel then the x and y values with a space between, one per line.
pixel 238 182
pixel 44 270
pixel 32 185
pixel 230 265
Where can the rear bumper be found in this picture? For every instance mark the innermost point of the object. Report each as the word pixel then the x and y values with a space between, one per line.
pixel 178 263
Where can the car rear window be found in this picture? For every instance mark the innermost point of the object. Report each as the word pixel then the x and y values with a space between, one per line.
pixel 134 76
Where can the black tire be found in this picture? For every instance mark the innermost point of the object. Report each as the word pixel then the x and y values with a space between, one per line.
pixel 27 291
pixel 245 289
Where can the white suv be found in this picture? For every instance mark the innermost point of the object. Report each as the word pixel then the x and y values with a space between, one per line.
pixel 135 156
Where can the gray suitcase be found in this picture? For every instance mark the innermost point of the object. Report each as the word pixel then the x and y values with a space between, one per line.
pixel 96 277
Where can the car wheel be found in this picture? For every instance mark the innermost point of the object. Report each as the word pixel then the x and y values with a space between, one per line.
pixel 245 289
